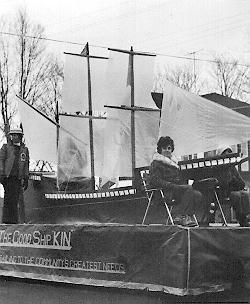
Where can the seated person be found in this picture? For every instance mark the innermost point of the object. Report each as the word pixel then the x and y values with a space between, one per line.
pixel 164 173
pixel 233 186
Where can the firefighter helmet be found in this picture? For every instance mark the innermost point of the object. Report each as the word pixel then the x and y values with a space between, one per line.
pixel 16 131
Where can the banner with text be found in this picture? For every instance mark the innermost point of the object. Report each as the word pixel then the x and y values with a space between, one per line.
pixel 123 256
pixel 167 259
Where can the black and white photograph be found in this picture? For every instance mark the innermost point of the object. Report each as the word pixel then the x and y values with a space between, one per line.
pixel 124 151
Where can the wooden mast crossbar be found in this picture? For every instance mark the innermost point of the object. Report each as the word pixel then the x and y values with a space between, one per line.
pixel 134 108
pixel 86 56
pixel 131 52
pixel 82 116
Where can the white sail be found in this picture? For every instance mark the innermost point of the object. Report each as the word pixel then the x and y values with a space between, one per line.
pixel 75 86
pixel 143 78
pixel 197 124
pixel 39 133
pixel 74 144
pixel 117 135
pixel 74 148
pixel 118 80
pixel 98 79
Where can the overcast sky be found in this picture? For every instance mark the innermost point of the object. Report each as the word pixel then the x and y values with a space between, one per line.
pixel 163 26
pixel 167 27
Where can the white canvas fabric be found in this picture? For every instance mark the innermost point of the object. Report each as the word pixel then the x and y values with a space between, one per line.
pixel 74 141
pixel 74 148
pixel 117 134
pixel 39 134
pixel 75 87
pixel 197 124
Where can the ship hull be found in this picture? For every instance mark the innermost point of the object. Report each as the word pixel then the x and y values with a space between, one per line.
pixel 45 205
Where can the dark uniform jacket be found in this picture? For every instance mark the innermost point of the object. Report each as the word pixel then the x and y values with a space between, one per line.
pixel 7 158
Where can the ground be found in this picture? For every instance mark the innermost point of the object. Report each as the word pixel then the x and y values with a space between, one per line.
pixel 21 291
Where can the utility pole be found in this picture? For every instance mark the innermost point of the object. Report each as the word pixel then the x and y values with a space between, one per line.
pixel 194 67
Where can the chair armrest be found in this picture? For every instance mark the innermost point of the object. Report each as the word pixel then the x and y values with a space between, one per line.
pixel 206 183
pixel 155 189
pixel 167 196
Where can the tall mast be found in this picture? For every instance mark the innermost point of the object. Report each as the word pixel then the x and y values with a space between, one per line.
pixel 91 143
pixel 57 135
pixel 57 121
pixel 131 59
pixel 132 107
pixel 85 53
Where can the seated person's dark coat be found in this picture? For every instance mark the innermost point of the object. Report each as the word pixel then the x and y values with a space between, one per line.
pixel 165 173
pixel 232 185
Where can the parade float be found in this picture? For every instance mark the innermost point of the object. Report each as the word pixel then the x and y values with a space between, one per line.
pixel 78 229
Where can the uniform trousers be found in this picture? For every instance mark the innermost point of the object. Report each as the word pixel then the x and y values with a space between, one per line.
pixel 12 191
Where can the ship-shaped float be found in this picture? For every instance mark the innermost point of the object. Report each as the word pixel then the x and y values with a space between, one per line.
pixel 82 227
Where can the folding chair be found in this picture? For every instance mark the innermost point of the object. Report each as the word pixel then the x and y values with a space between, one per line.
pixel 226 199
pixel 168 202
pixel 213 184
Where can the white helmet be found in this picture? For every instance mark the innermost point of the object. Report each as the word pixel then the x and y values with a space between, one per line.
pixel 16 131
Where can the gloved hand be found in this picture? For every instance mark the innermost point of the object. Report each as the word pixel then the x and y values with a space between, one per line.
pixel 25 183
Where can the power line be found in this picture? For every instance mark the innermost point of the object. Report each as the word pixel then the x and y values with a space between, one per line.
pixel 202 36
pixel 106 47
pixel 88 14
pixel 218 20
pixel 121 16
pixel 42 38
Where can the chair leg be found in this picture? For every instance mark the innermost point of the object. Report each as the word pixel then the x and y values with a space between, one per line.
pixel 195 218
pixel 168 211
pixel 169 215
pixel 146 212
pixel 221 210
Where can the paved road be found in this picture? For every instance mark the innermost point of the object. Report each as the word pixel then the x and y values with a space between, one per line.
pixel 14 291
pixel 20 291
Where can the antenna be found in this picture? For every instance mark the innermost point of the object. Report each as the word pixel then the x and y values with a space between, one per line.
pixel 194 67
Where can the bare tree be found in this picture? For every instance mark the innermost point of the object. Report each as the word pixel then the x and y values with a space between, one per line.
pixel 52 88
pixel 39 74
pixel 8 109
pixel 182 76
pixel 27 69
pixel 230 77
pixel 30 50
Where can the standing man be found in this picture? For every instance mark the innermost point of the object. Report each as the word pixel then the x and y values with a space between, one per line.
pixel 14 174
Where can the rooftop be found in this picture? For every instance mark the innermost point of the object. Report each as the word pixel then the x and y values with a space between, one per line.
pixel 234 104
